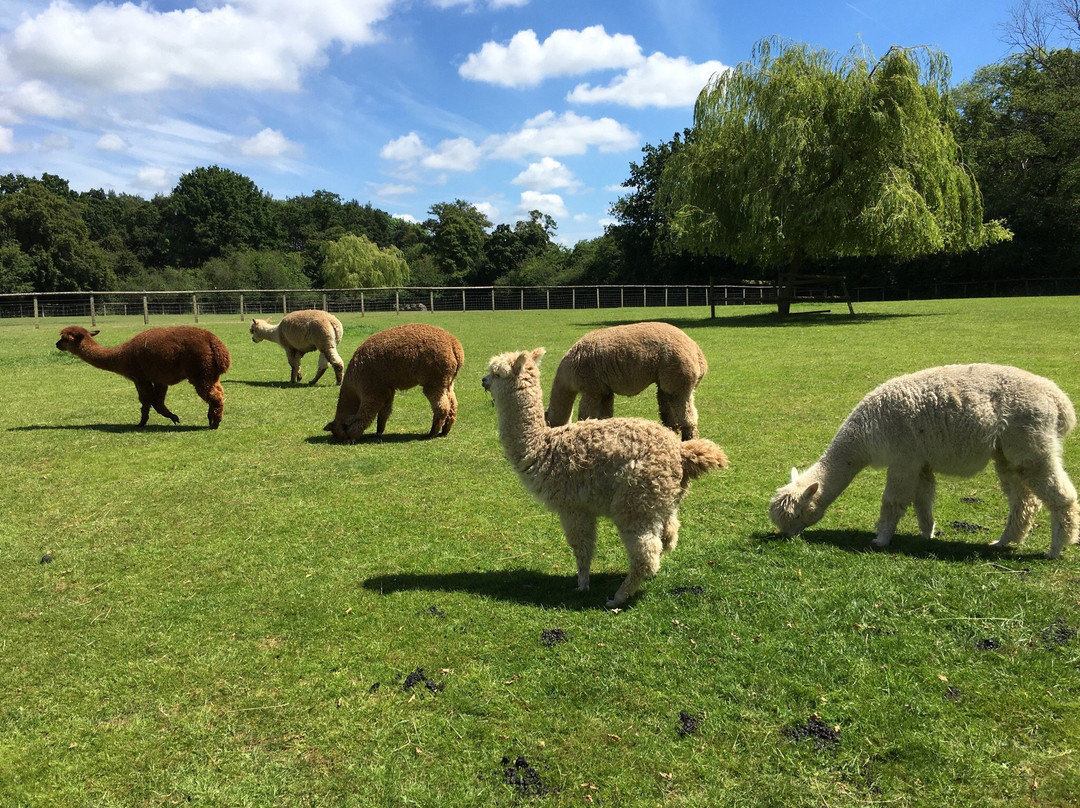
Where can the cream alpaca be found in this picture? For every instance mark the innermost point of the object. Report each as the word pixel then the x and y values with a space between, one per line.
pixel 632 470
pixel 398 358
pixel 624 360
pixel 301 332
pixel 952 420
pixel 157 358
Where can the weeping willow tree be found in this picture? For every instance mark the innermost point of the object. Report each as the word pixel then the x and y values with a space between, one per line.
pixel 356 261
pixel 802 154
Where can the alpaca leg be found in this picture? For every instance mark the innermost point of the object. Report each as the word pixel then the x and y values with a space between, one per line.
pixel 900 487
pixel 607 406
pixel 678 413
pixel 1023 504
pixel 441 409
pixel 370 407
pixel 294 363
pixel 590 406
pixel 644 548
pixel 925 493
pixel 213 394
pixel 580 531
pixel 337 362
pixel 452 415
pixel 324 363
pixel 146 400
pixel 1052 485
pixel 669 537
pixel 383 414
pixel 159 403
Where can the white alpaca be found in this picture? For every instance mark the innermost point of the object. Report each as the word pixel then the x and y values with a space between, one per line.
pixel 632 470
pixel 301 332
pixel 953 420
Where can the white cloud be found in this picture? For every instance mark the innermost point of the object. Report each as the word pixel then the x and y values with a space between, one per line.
pixel 405 149
pixel 459 154
pixel 266 144
pixel 471 4
pixel 551 204
pixel 253 44
pixel 525 61
pixel 34 98
pixel 406 217
pixel 150 178
pixel 111 143
pixel 7 140
pixel 394 189
pixel 52 143
pixel 488 210
pixel 546 175
pixel 660 81
pixel 569 133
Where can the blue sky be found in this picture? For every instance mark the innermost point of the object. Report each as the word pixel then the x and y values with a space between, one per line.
pixel 511 105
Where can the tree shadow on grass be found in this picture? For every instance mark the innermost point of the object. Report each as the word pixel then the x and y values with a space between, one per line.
pixel 527 587
pixel 939 548
pixel 113 428
pixel 773 320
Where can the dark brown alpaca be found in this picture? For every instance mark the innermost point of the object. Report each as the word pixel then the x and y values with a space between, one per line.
pixel 157 358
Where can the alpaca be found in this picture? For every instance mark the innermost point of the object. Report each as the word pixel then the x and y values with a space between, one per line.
pixel 300 332
pixel 953 420
pixel 631 470
pixel 625 359
pixel 157 358
pixel 398 358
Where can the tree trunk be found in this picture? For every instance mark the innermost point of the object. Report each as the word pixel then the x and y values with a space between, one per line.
pixel 785 284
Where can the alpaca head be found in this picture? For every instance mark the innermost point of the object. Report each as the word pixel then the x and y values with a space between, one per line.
pixel 256 328
pixel 505 371
pixel 796 506
pixel 71 338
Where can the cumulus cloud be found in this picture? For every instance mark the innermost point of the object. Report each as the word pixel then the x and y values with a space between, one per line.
pixel 550 134
pixel 660 81
pixel 410 153
pixel 267 144
pixel 551 204
pixel 7 140
pixel 251 44
pixel 546 175
pixel 151 178
pixel 34 98
pixel 111 143
pixel 406 217
pixel 525 61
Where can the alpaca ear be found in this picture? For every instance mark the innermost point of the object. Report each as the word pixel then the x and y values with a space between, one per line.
pixel 794 474
pixel 95 333
pixel 538 354
pixel 810 491
pixel 519 362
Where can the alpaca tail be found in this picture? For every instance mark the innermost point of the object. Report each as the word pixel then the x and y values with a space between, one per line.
pixel 220 355
pixel 699 456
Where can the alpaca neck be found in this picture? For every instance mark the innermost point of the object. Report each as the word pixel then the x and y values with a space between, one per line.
pixel 270 333
pixel 521 424
pixel 838 466
pixel 100 356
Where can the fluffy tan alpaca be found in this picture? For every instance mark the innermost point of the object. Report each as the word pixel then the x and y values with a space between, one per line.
pixel 624 360
pixel 300 332
pixel 631 470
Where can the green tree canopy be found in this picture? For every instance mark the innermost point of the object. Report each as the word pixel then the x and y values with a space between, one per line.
pixel 801 154
pixel 356 261
pixel 458 234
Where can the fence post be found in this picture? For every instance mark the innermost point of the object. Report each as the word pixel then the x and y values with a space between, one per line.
pixel 573 297
pixel 493 298
pixel 284 306
pixel 463 299
pixel 324 303
pixel 241 308
pixel 36 324
pixel 93 314
pixel 431 301
pixel 397 302
pixel 145 311
pixel 361 304
pixel 547 297
pixel 195 306
pixel 598 297
pixel 665 297
pixel 521 306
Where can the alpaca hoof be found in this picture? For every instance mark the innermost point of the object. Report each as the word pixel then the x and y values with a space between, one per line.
pixel 1004 541
pixel 615 602
pixel 1052 553
pixel 880 542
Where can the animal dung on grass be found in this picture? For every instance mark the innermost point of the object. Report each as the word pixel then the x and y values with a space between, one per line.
pixel 624 360
pixel 157 358
pixel 953 420
pixel 399 358
pixel 631 470
pixel 301 332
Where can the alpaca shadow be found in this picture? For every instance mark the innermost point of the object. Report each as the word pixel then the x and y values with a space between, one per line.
pixel 117 429
pixel 524 586
pixel 939 548
pixel 278 385
pixel 371 438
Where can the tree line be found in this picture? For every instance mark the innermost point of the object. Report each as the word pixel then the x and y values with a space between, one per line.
pixel 759 188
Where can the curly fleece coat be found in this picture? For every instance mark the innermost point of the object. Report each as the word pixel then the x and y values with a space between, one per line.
pixel 634 471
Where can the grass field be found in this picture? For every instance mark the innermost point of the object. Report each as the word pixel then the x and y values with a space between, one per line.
pixel 256 616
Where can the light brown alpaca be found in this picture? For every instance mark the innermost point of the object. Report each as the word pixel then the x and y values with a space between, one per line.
pixel 624 360
pixel 398 358
pixel 301 332
pixel 157 358
pixel 631 470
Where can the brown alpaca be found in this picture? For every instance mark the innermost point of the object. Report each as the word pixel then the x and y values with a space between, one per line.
pixel 398 358
pixel 632 470
pixel 624 360
pixel 157 358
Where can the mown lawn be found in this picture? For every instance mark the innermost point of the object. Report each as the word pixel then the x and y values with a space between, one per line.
pixel 256 616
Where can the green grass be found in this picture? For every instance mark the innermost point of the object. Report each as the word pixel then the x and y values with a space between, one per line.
pixel 230 616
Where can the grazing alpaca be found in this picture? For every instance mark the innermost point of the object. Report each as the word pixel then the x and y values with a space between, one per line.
pixel 157 358
pixel 624 360
pixel 632 470
pixel 301 332
pixel 953 420
pixel 398 358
